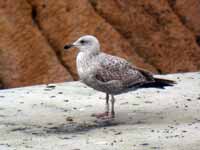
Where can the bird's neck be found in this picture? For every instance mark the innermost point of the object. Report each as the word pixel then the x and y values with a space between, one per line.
pixel 84 62
pixel 89 54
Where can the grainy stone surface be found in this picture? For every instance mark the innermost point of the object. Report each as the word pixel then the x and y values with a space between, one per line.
pixel 161 36
pixel 58 116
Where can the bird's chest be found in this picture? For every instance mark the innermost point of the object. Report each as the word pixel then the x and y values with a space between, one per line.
pixel 85 65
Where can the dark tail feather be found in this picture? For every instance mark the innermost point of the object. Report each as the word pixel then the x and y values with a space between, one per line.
pixel 159 83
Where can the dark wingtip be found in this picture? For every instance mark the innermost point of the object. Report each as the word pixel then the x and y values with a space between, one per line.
pixel 68 46
pixel 159 83
pixel 166 81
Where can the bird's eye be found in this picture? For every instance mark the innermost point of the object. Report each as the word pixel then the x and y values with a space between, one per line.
pixel 82 42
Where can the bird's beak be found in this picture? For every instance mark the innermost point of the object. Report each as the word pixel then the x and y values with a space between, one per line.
pixel 68 46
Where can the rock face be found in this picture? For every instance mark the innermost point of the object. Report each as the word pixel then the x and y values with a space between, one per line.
pixel 189 12
pixel 155 32
pixel 25 55
pixel 160 36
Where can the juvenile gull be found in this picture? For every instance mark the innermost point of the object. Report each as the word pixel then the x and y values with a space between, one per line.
pixel 110 74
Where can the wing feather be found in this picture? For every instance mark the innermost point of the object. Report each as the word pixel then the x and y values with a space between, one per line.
pixel 115 68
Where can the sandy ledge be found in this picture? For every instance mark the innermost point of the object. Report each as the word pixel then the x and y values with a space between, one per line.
pixel 58 117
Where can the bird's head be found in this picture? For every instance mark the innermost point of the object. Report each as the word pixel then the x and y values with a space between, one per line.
pixel 87 43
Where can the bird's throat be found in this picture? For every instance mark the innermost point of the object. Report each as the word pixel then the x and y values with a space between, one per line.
pixel 83 62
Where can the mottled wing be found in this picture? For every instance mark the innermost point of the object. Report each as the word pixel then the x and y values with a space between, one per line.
pixel 115 68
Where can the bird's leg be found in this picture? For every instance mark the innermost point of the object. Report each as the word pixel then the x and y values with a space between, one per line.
pixel 112 107
pixel 106 113
pixel 107 104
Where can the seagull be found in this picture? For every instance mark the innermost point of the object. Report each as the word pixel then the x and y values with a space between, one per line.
pixel 110 74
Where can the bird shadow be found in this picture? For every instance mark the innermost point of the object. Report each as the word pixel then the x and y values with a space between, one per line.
pixel 124 117
pixel 80 127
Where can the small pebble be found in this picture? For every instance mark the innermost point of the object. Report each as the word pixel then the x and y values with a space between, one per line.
pixel 145 144
pixel 66 100
pixel 70 119
pixel 124 103
pixel 50 86
pixel 118 133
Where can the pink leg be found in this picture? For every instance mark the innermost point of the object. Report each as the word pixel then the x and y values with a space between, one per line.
pixel 106 113
pixel 101 115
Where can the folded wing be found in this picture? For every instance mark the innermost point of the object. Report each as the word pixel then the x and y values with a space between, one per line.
pixel 115 68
